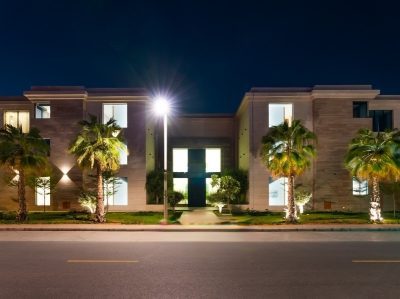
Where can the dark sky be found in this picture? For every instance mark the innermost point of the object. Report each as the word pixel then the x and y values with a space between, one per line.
pixel 205 53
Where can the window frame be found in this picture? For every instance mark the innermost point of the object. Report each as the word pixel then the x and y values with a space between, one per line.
pixel 115 104
pixel 18 122
pixel 44 104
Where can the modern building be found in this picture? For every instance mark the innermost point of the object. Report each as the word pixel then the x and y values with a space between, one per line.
pixel 201 145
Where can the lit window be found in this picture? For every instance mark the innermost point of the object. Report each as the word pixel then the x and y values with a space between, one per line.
pixel 210 189
pixel 116 192
pixel 181 185
pixel 123 156
pixel 279 113
pixel 213 160
pixel 278 192
pixel 360 187
pixel 119 112
pixel 42 191
pixel 17 119
pixel 42 110
pixel 180 159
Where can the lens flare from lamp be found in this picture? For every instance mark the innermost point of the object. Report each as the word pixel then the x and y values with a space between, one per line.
pixel 161 106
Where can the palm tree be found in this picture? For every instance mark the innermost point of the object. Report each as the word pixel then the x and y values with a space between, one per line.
pixel 22 152
pixel 374 157
pixel 97 147
pixel 287 151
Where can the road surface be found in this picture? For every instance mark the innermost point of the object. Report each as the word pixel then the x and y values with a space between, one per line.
pixel 199 265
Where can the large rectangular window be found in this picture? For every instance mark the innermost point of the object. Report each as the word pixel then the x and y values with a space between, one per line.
pixel 213 160
pixel 278 192
pixel 123 156
pixel 381 120
pixel 360 187
pixel 116 192
pixel 360 109
pixel 17 119
pixel 42 191
pixel 42 110
pixel 181 185
pixel 279 113
pixel 180 160
pixel 119 112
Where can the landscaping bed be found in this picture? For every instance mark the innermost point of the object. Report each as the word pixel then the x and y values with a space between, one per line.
pixel 84 218
pixel 260 218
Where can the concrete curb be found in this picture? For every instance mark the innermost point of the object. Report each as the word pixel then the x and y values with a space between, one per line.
pixel 203 228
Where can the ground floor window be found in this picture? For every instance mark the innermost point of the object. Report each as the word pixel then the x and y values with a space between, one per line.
pixel 116 192
pixel 278 192
pixel 360 187
pixel 42 191
pixel 181 185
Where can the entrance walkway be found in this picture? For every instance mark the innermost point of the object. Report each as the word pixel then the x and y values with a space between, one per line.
pixel 199 217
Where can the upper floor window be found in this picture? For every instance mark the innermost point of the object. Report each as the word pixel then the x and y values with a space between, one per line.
pixel 123 156
pixel 119 112
pixel 279 113
pixel 360 109
pixel 360 187
pixel 381 120
pixel 17 119
pixel 42 110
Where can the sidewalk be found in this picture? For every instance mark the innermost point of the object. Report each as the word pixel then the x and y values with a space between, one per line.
pixel 201 228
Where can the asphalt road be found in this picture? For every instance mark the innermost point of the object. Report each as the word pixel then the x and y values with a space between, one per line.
pixel 199 265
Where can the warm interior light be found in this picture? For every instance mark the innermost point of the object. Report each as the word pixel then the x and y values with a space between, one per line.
pixel 161 106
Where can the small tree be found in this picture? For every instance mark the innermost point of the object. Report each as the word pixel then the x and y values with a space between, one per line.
pixel 174 197
pixel 301 198
pixel 44 186
pixel 88 201
pixel 227 187
pixel 110 187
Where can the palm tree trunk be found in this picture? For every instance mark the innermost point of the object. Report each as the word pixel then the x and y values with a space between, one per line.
pixel 22 212
pixel 375 209
pixel 291 217
pixel 100 215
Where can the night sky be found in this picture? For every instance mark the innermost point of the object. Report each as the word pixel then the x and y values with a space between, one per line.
pixel 204 53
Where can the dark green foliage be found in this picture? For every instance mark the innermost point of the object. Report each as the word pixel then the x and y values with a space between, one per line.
pixel 242 177
pixel 25 153
pixel 174 197
pixel 155 185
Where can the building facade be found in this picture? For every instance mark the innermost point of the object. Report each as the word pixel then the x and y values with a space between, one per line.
pixel 201 145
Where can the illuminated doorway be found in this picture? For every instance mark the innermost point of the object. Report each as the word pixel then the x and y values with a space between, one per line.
pixel 192 170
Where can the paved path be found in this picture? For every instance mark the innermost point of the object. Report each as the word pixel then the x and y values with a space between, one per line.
pixel 199 217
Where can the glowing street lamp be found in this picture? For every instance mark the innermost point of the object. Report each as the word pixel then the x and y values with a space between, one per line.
pixel 161 107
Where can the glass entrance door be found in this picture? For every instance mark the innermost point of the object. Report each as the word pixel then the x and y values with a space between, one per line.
pixel 192 167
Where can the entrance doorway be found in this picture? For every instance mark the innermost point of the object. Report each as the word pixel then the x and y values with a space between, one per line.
pixel 192 170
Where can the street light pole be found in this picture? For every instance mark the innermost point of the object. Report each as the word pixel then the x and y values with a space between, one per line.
pixel 161 107
pixel 165 220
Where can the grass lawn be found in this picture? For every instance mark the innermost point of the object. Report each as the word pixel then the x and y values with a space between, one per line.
pixel 307 218
pixel 76 217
